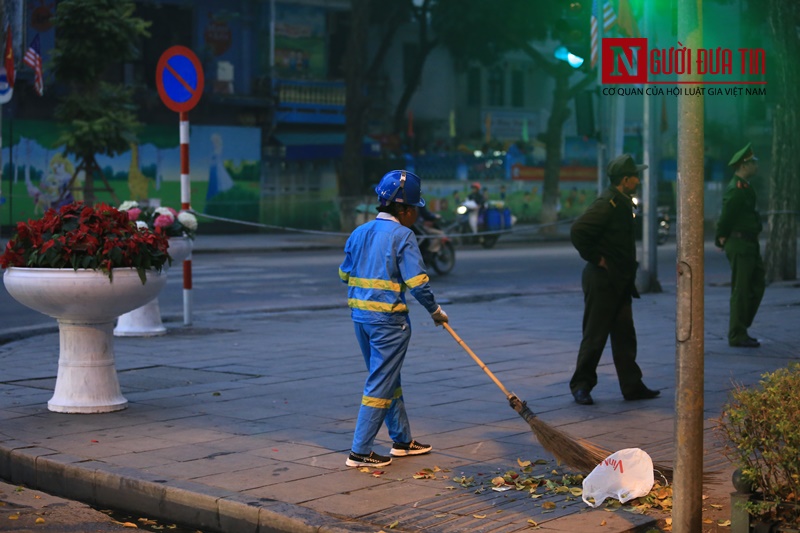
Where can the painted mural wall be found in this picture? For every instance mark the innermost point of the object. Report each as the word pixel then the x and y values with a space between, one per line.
pixel 224 168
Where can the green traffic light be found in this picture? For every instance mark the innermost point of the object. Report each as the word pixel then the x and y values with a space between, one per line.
pixel 561 53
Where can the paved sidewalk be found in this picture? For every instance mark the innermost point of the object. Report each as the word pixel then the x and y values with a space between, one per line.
pixel 242 423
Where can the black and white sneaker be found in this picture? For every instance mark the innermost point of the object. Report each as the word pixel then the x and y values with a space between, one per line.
pixel 411 448
pixel 373 459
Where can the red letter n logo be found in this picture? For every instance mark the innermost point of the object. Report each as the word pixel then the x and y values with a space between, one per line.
pixel 624 60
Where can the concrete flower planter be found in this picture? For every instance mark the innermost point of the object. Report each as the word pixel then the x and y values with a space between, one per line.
pixel 145 321
pixel 744 522
pixel 85 303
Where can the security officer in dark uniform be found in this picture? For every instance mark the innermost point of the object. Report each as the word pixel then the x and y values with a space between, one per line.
pixel 604 237
pixel 737 233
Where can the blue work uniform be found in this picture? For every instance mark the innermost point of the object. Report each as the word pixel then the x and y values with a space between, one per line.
pixel 382 260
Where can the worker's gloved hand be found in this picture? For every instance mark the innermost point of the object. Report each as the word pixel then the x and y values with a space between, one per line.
pixel 439 317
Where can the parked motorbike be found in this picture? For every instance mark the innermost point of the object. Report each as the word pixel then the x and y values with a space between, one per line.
pixel 663 225
pixel 490 223
pixel 437 249
pixel 663 221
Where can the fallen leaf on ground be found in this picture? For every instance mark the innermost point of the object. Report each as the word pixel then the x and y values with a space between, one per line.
pixel 724 523
pixel 479 516
pixel 40 520
pixel 130 525
pixel 548 505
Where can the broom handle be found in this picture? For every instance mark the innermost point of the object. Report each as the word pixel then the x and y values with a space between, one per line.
pixel 477 359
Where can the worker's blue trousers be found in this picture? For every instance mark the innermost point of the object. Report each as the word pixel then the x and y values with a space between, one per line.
pixel 384 349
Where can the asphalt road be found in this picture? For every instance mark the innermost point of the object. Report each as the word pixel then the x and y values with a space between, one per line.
pixel 278 281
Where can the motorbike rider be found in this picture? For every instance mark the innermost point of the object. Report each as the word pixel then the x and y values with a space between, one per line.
pixel 476 196
pixel 431 244
pixel 381 261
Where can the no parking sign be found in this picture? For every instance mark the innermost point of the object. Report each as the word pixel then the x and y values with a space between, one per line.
pixel 179 78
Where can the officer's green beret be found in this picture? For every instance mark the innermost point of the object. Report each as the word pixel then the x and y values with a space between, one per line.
pixel 624 165
pixel 743 155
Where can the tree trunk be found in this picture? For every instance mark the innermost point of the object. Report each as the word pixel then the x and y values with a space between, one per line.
pixel 350 175
pixel 426 45
pixel 784 196
pixel 559 113
pixel 411 87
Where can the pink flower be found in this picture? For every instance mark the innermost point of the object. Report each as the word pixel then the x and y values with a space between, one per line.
pixel 163 221
pixel 133 213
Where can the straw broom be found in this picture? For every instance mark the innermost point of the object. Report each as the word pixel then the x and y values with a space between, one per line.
pixel 580 455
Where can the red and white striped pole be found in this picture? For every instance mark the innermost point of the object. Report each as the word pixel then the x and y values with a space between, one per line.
pixel 186 204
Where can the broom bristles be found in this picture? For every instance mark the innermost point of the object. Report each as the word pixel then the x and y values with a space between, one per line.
pixel 578 454
pixel 582 456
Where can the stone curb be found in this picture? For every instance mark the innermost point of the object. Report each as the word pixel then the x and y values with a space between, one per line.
pixel 200 506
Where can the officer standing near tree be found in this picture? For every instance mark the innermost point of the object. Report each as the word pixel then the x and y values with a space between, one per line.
pixel 737 233
pixel 604 237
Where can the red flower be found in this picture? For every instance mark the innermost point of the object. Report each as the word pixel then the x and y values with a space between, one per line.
pixel 80 236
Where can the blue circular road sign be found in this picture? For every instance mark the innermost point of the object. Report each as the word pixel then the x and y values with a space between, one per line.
pixel 179 78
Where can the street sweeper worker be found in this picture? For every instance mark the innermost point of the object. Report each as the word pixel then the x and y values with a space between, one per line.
pixel 382 260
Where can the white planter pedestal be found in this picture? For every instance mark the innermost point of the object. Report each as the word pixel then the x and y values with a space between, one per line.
pixel 85 303
pixel 145 321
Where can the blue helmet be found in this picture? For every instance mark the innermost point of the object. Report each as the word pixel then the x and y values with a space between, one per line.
pixel 402 187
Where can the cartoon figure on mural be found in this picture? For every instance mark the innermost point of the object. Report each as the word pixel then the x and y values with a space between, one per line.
pixel 53 190
pixel 218 178
pixel 138 183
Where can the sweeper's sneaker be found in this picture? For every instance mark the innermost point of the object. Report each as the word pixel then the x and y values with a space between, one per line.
pixel 373 459
pixel 412 448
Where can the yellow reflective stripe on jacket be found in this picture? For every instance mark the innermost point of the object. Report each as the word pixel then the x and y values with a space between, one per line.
pixel 344 276
pixel 377 403
pixel 416 281
pixel 381 284
pixel 381 307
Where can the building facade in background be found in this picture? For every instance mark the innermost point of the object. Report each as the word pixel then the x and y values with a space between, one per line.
pixel 267 135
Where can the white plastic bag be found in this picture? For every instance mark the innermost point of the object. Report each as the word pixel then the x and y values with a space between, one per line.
pixel 624 475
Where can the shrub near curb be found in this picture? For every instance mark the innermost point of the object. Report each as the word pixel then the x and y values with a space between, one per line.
pixel 762 427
